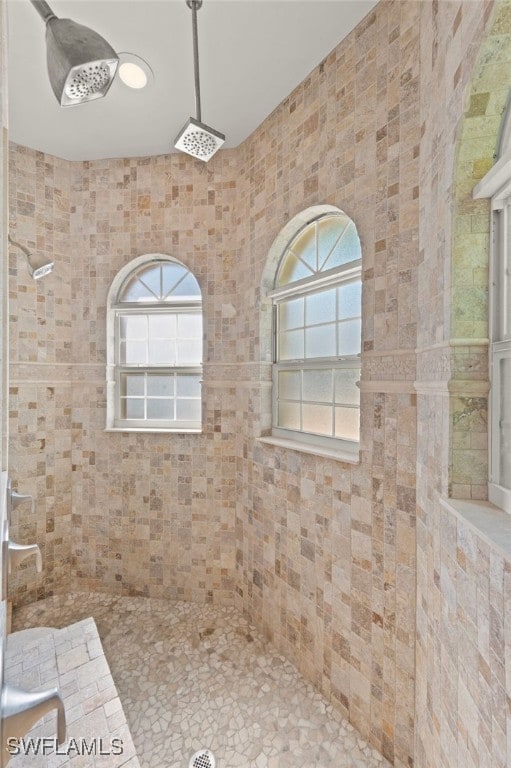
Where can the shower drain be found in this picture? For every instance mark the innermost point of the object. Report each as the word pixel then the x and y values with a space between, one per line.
pixel 202 759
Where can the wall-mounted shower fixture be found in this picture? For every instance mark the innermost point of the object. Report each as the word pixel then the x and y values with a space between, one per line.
pixel 38 266
pixel 17 553
pixel 196 138
pixel 81 64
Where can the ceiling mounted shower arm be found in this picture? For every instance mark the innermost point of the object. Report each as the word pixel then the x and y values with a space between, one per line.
pixel 194 6
pixel 196 138
pixel 44 10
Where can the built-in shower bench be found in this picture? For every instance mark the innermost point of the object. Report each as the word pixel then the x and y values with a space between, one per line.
pixel 73 660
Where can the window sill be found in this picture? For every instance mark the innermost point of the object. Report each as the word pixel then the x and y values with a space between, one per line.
pixel 154 431
pixel 487 520
pixel 349 457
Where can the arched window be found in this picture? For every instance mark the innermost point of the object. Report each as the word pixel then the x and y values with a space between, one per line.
pixel 154 367
pixel 497 186
pixel 317 335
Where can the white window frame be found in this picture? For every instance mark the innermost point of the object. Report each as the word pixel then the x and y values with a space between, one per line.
pixel 116 369
pixel 338 276
pixel 500 344
pixel 497 186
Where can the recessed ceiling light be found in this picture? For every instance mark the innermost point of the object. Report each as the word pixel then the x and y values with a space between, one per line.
pixel 134 71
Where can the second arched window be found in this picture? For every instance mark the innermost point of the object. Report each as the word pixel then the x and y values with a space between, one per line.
pixel 317 335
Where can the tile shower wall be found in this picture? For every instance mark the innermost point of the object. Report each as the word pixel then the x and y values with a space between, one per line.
pixel 153 514
pixel 137 514
pixel 463 584
pixel 40 393
pixel 326 551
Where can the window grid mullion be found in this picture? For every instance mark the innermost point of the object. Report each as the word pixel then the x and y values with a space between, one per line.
pixel 504 276
pixel 501 274
pixel 145 396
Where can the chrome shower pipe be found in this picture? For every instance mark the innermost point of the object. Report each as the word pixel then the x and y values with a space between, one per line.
pixel 43 9
pixel 194 6
pixel 21 247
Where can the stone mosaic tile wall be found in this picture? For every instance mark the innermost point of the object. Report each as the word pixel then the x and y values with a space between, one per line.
pixel 137 514
pixel 39 376
pixel 463 609
pixel 154 514
pixel 325 550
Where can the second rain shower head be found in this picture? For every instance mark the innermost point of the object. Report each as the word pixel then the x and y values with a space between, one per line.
pixel 81 64
pixel 196 138
pixel 37 266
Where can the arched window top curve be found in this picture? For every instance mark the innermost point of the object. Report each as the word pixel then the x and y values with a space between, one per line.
pixel 327 243
pixel 160 281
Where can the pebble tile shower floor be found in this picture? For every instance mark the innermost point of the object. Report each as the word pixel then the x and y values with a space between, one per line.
pixel 191 676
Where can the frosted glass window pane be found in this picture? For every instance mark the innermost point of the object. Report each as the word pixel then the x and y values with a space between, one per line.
pixel 160 386
pixel 289 415
pixel 189 352
pixel 160 409
pixel 304 247
pixel 349 337
pixel 133 409
pixel 329 231
pixel 317 419
pixel 151 277
pixel 134 352
pixel 292 269
pixel 505 423
pixel 347 423
pixel 135 291
pixel 350 300
pixel 291 345
pixel 171 274
pixel 133 327
pixel 317 386
pixel 320 341
pixel 188 386
pixel 291 314
pixel 132 385
pixel 163 326
pixel 162 352
pixel 187 287
pixel 190 326
pixel 289 385
pixel 320 307
pixel 346 390
pixel 188 410
pixel 348 249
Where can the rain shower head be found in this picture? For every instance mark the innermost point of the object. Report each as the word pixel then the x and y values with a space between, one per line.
pixel 38 266
pixel 81 64
pixel 197 138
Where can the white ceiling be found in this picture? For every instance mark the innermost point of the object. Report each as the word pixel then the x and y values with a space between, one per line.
pixel 252 54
